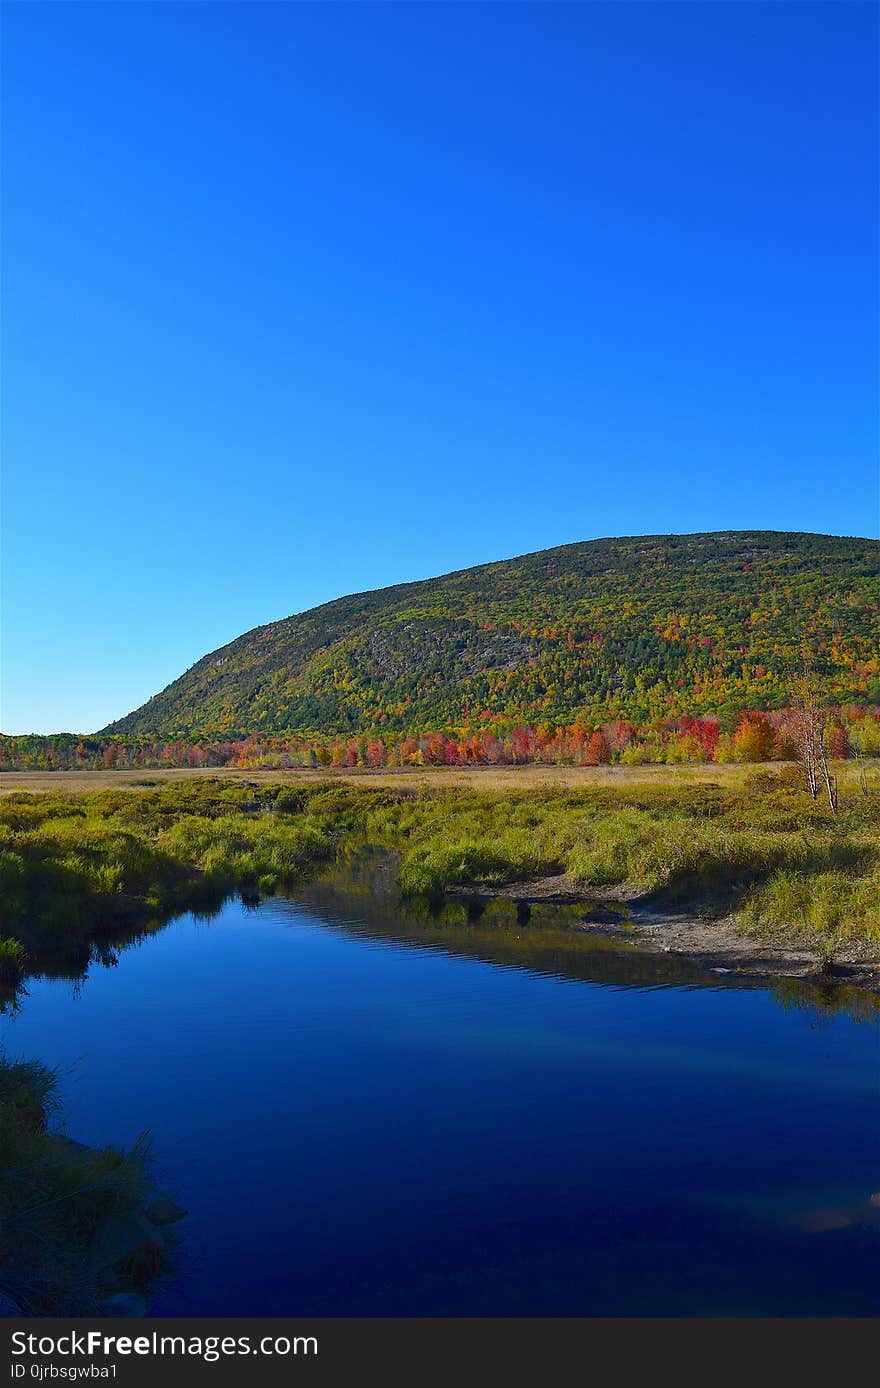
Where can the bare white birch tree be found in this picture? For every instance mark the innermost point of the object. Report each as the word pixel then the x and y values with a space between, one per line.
pixel 809 723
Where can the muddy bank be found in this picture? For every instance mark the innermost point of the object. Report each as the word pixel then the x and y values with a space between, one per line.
pixel 714 939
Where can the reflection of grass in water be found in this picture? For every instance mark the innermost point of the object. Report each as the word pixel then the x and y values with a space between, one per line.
pixel 360 893
pixel 553 941
pixel 824 1000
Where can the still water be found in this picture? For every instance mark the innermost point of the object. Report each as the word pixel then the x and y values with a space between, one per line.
pixel 367 1111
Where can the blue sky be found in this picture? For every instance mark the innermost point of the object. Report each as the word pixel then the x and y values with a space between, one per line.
pixel 302 300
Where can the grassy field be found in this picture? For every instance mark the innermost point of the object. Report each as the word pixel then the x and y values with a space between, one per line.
pixel 488 778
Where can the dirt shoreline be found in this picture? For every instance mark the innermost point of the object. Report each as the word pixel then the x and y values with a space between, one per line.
pixel 717 942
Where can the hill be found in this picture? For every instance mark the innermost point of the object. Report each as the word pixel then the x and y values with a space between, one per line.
pixel 641 627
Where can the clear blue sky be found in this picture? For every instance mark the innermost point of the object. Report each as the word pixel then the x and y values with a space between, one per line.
pixel 302 300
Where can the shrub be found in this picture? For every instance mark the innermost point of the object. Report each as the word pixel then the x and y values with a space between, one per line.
pixel 12 957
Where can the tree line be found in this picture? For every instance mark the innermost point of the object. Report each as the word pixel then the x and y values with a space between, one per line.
pixel 828 734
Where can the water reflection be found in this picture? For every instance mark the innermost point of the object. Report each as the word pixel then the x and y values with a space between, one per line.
pixel 566 941
pixel 572 942
pixel 378 1108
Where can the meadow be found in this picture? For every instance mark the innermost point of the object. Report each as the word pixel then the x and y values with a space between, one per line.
pixel 85 859
pixel 534 778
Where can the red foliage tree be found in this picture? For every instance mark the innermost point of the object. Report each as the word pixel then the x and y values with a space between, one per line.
pixel 596 750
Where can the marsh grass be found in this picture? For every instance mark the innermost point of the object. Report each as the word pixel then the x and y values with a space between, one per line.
pixel 766 852
pixel 827 906
pixel 73 868
pixel 532 778
pixel 234 850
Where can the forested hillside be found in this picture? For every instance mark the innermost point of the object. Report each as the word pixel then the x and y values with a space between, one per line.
pixel 638 628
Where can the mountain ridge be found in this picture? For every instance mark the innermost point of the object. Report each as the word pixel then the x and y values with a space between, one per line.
pixel 617 626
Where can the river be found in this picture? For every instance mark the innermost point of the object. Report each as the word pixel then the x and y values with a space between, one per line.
pixel 371 1111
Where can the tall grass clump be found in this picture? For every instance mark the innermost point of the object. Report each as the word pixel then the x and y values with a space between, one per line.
pixel 824 906
pixel 12 961
pixel 75 1221
pixel 243 852
pixel 429 868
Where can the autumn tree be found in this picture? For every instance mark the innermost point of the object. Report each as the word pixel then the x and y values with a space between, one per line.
pixel 754 738
pixel 596 751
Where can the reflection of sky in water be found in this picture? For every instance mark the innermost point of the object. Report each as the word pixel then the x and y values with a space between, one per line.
pixel 359 1126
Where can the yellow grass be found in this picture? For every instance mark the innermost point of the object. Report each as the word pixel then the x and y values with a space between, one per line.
pixel 489 778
